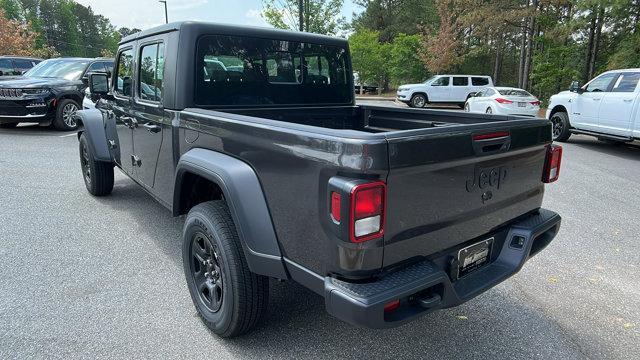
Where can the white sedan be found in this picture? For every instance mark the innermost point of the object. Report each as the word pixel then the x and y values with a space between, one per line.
pixel 503 101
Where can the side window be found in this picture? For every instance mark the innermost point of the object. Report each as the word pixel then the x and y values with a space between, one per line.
pixel 479 81
pixel 124 73
pixel 6 66
pixel 96 67
pixel 151 72
pixel 108 67
pixel 626 82
pixel 489 92
pixel 481 93
pixel 460 81
pixel 441 81
pixel 600 84
pixel 22 65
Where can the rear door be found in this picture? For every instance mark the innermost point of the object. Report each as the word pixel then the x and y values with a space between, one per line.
pixel 460 88
pixel 614 116
pixel 148 108
pixel 444 188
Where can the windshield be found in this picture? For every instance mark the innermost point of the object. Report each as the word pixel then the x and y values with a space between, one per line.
pixel 429 79
pixel 513 92
pixel 59 69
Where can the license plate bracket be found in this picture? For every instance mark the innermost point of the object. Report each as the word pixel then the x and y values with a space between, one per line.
pixel 522 104
pixel 474 256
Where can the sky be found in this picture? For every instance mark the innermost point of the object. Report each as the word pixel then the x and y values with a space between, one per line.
pixel 143 14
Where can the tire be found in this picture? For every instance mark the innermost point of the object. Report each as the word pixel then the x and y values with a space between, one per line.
pixel 489 111
pixel 466 107
pixel 97 175
pixel 561 126
pixel 228 297
pixel 8 125
pixel 66 115
pixel 418 101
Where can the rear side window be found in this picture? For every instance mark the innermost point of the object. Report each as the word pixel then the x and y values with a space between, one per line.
pixel 96 67
pixel 479 81
pixel 442 81
pixel 489 92
pixel 626 82
pixel 460 81
pixel 124 75
pixel 247 71
pixel 151 72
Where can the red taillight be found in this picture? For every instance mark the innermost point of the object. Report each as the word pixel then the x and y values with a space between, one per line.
pixel 335 206
pixel 391 305
pixel 493 135
pixel 535 103
pixel 503 101
pixel 552 163
pixel 367 211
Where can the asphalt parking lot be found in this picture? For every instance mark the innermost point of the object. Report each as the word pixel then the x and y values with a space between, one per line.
pixel 85 277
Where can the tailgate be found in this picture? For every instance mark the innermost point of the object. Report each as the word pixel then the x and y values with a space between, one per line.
pixel 445 188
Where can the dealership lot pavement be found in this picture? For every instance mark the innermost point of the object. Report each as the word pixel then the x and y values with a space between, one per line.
pixel 102 277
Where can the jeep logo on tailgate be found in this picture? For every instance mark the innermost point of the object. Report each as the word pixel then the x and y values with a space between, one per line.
pixel 487 179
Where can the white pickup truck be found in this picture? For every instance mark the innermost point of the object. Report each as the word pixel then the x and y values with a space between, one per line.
pixel 607 107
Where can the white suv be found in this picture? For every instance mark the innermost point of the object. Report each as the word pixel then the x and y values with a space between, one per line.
pixel 443 89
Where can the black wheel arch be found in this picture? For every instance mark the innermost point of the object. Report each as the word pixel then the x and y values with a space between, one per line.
pixel 95 133
pixel 237 183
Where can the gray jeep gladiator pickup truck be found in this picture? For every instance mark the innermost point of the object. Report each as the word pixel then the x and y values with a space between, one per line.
pixel 254 135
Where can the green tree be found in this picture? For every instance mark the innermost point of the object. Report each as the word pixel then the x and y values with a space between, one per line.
pixel 404 62
pixel 369 57
pixel 319 16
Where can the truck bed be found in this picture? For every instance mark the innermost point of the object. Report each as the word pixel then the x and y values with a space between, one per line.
pixel 445 187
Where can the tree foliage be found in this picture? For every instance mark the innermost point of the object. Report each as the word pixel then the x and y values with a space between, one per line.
pixel 63 27
pixel 319 16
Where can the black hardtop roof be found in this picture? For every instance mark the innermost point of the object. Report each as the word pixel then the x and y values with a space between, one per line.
pixel 197 27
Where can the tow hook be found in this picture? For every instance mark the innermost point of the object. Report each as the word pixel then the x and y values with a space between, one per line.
pixel 431 301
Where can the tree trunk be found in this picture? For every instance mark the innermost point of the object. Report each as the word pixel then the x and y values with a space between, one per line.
pixel 523 46
pixel 596 43
pixel 592 30
pixel 526 70
pixel 497 65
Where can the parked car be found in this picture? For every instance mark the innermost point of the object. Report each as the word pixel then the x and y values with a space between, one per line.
pixel 607 107
pixel 360 88
pixel 451 89
pixel 12 67
pixel 387 213
pixel 503 101
pixel 49 93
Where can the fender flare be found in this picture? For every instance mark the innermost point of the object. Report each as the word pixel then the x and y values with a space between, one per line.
pixel 247 205
pixel 93 127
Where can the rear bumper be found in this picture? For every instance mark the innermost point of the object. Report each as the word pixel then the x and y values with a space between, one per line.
pixel 431 284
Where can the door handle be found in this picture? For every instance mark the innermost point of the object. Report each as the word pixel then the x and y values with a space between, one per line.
pixel 596 99
pixel 130 122
pixel 627 100
pixel 152 128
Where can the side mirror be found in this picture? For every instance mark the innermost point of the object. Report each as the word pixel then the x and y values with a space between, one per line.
pixel 473 94
pixel 98 84
pixel 575 87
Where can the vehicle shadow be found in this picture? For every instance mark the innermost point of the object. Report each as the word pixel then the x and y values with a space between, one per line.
pixel 495 324
pixel 34 129
pixel 629 151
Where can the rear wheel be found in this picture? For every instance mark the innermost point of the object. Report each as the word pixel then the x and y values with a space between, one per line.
pixel 560 121
pixel 466 107
pixel 418 101
pixel 66 118
pixel 97 175
pixel 8 125
pixel 229 298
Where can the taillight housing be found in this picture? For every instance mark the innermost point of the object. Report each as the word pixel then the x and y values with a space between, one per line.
pixel 535 103
pixel 367 211
pixel 552 162
pixel 503 101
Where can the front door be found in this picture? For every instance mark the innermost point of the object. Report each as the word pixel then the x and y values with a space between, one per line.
pixel 122 84
pixel 587 105
pixel 439 90
pixel 149 112
pixel 617 105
